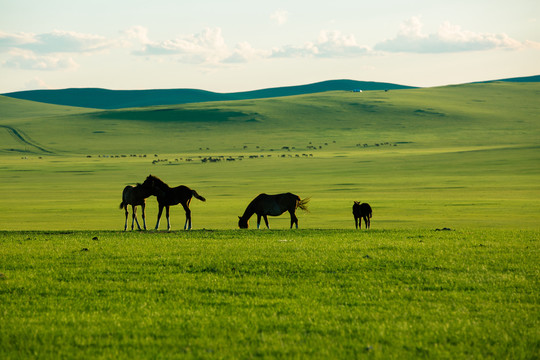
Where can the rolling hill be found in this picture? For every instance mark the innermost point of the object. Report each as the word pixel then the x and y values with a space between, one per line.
pixel 118 99
pixel 98 98
pixel 474 114
pixel 453 156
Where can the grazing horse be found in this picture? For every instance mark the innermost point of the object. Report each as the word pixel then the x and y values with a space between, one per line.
pixel 167 196
pixel 273 205
pixel 361 211
pixel 134 196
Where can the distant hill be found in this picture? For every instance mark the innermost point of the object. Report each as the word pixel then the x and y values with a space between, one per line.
pixel 118 99
pixel 97 98
pixel 535 78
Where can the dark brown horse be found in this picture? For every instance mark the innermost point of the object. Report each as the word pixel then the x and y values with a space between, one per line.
pixel 167 196
pixel 135 196
pixel 361 211
pixel 273 205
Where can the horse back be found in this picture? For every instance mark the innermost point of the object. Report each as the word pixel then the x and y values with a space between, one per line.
pixel 176 195
pixel 361 210
pixel 272 205
pixel 132 195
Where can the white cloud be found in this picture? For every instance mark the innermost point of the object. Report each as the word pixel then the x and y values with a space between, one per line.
pixel 36 83
pixel 68 42
pixel 448 38
pixel 49 51
pixel 280 16
pixel 9 41
pixel 139 33
pixel 207 46
pixel 244 52
pixel 330 44
pixel 27 60
pixel 55 42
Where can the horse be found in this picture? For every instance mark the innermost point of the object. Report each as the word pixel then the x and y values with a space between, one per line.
pixel 135 196
pixel 361 211
pixel 273 205
pixel 167 196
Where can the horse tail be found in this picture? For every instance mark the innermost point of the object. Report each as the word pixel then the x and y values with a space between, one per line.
pixel 197 196
pixel 302 204
pixel 122 205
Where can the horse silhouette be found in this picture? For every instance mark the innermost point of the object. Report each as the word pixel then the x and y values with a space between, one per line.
pixel 136 196
pixel 167 196
pixel 361 211
pixel 273 205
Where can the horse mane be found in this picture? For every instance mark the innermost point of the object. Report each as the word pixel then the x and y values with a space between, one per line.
pixel 158 182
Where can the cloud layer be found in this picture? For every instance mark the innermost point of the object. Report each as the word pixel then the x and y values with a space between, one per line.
pixel 50 51
pixel 58 50
pixel 448 39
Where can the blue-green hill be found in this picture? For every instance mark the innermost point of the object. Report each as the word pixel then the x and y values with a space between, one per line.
pixel 118 99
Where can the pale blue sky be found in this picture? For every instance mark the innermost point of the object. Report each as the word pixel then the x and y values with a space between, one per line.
pixel 245 45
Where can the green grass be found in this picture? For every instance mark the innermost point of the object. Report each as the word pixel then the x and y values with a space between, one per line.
pixel 456 156
pixel 385 294
pixel 459 157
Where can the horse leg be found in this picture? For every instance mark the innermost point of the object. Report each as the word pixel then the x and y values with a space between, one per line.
pixel 368 222
pixel 143 206
pixel 294 219
pixel 356 222
pixel 258 221
pixel 159 215
pixel 187 225
pixel 135 214
pixel 265 217
pixel 167 213
pixel 127 214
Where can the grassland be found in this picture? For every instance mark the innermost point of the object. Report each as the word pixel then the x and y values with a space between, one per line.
pixel 457 156
pixel 382 294
pixel 460 157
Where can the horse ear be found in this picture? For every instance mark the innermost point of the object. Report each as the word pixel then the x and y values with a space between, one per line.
pixel 356 202
pixel 239 217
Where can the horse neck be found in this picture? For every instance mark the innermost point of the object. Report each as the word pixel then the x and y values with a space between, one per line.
pixel 145 190
pixel 250 210
pixel 161 185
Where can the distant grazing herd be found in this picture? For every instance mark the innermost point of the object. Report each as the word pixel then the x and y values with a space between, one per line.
pixel 263 205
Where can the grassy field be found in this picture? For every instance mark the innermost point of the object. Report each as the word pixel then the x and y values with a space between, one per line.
pixel 383 294
pixel 459 157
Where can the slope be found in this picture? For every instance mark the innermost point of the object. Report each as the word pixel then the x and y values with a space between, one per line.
pixel 477 114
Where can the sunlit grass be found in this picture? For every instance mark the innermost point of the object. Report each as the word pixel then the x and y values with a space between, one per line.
pixel 207 294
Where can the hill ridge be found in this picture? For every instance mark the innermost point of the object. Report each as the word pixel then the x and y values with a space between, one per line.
pixel 100 98
pixel 107 99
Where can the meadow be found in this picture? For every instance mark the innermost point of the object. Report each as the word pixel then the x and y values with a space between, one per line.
pixel 465 158
pixel 456 156
pixel 383 294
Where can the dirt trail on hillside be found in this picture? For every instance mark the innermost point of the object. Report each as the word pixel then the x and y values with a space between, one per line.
pixel 24 139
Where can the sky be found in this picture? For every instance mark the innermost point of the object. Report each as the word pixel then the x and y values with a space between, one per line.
pixel 241 45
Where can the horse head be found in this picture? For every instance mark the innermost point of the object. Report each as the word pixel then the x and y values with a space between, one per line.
pixel 242 223
pixel 155 185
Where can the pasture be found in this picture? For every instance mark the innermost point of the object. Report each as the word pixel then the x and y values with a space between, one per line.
pixel 72 284
pixel 384 294
pixel 457 156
